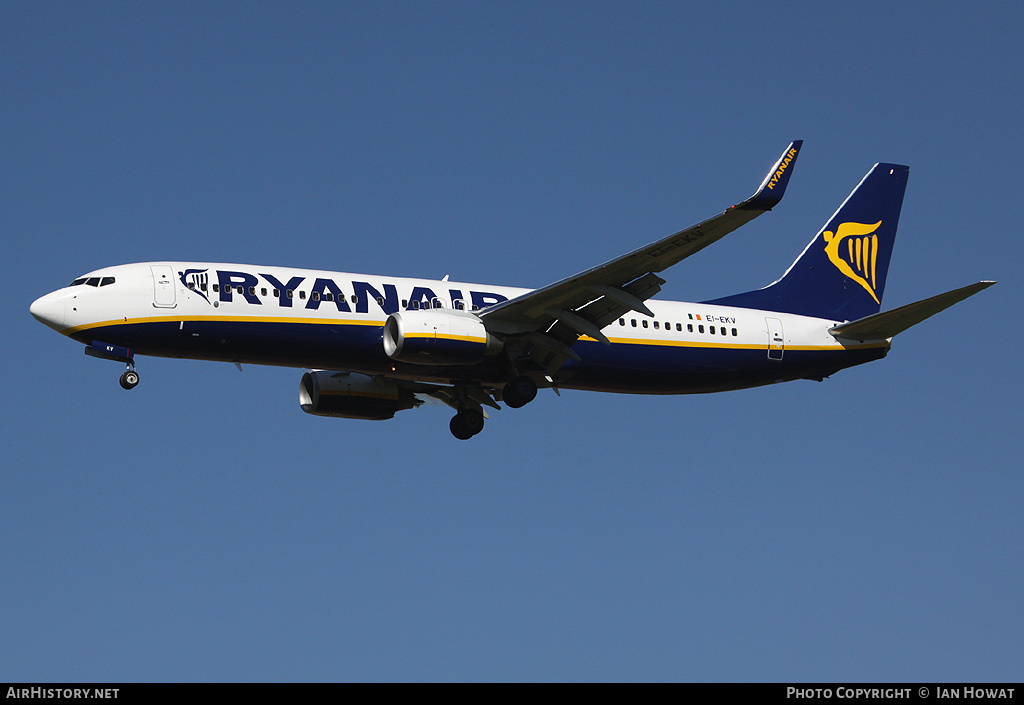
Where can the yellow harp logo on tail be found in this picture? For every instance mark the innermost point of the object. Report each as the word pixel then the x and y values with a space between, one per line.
pixel 853 249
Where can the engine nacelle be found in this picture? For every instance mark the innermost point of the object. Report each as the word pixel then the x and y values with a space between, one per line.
pixel 350 395
pixel 438 336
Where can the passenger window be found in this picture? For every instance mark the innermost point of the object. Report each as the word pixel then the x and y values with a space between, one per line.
pixel 277 292
pixel 712 330
pixel 689 327
pixel 328 296
pixel 622 321
pixel 192 286
pixel 415 305
pixel 734 332
pixel 380 300
pixel 216 288
pixel 203 286
pixel 656 326
pixel 290 293
pixel 263 291
pixel 252 291
pixel 302 295
pixel 700 329
pixel 405 303
pixel 644 323
pixel 679 327
pixel 315 295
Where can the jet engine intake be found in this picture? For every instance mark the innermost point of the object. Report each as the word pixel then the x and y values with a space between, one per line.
pixel 438 337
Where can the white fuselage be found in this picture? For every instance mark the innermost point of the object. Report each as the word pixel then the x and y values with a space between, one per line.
pixel 333 320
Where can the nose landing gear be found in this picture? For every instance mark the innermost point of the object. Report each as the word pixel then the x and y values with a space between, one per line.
pixel 130 378
pixel 105 351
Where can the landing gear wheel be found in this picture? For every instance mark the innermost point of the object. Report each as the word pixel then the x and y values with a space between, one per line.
pixel 466 424
pixel 519 392
pixel 458 429
pixel 129 379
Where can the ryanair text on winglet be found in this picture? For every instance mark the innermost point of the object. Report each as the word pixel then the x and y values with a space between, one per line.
pixel 790 156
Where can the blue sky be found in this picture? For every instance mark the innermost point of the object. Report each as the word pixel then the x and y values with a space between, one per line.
pixel 202 527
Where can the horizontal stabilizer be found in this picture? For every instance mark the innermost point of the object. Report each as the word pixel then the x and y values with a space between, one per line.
pixel 888 323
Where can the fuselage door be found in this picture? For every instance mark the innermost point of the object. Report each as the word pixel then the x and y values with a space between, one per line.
pixel 776 344
pixel 163 286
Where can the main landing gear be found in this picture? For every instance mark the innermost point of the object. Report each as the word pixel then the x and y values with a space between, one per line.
pixel 470 419
pixel 519 392
pixel 466 424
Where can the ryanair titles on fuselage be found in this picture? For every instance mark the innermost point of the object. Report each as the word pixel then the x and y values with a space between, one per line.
pixel 325 291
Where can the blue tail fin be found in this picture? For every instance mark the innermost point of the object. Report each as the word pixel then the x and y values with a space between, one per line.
pixel 841 274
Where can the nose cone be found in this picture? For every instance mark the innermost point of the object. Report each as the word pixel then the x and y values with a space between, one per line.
pixel 50 310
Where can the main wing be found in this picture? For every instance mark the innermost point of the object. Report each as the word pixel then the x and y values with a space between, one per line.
pixel 550 320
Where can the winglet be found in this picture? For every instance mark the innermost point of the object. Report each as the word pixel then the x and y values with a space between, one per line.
pixel 772 189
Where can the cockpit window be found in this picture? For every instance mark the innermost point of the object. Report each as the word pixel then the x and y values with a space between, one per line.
pixel 93 281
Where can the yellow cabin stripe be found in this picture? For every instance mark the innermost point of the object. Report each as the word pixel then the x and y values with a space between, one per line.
pixel 729 346
pixel 380 323
pixel 229 319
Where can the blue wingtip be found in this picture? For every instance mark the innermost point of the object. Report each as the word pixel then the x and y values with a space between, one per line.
pixel 773 188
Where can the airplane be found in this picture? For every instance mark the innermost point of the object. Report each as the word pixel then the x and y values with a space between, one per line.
pixel 377 345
